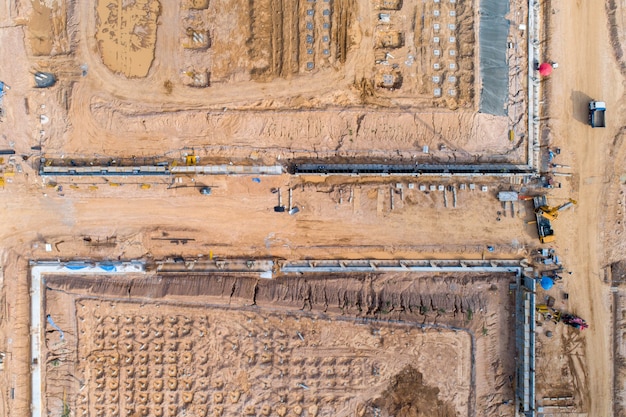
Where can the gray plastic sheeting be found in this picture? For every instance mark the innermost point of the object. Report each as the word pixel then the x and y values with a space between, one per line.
pixel 494 71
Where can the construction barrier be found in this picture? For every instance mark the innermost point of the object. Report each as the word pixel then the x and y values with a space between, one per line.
pixel 146 170
pixel 411 169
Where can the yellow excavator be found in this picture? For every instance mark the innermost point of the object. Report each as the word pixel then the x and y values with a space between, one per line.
pixel 548 313
pixel 552 212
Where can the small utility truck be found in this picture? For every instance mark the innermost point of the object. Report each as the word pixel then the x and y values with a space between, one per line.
pixel 597 110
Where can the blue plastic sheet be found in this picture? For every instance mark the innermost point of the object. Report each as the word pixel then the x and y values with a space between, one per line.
pixel 108 267
pixel 547 283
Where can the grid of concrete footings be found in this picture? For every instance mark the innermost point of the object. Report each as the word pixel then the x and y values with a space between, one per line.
pixel 210 345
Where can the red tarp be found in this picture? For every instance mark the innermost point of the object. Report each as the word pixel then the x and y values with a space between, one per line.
pixel 545 69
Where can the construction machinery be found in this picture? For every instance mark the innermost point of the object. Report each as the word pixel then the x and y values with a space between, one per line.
pixel 574 321
pixel 556 316
pixel 191 160
pixel 552 213
pixel 545 214
pixel 549 313
pixel 544 227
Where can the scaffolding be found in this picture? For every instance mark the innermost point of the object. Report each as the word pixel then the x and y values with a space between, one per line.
pixel 159 169
pixel 534 91
pixel 405 265
pixel 525 345
pixel 262 268
pixel 505 170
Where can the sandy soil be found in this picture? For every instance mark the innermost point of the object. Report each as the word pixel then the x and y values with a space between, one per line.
pixel 288 111
pixel 363 227
pixel 126 35
pixel 327 219
pixel 614 224
pixel 330 112
pixel 586 239
pixel 136 355
pixel 47 28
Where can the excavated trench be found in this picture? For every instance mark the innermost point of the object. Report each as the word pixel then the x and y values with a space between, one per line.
pixel 421 298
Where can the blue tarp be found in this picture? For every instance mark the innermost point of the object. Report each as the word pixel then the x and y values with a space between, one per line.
pixel 108 267
pixel 547 283
pixel 494 69
pixel 75 267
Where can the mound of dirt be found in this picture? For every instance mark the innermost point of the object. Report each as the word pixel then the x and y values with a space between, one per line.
pixel 407 396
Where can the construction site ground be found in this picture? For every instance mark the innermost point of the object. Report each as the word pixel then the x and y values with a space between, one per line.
pixel 133 86
pixel 266 348
pixel 123 95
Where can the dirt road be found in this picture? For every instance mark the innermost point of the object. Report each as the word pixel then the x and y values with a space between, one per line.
pixel 589 73
pixel 242 210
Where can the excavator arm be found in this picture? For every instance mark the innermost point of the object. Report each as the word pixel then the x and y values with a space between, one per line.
pixel 552 212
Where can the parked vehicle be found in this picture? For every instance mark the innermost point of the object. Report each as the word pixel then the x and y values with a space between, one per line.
pixel 597 111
